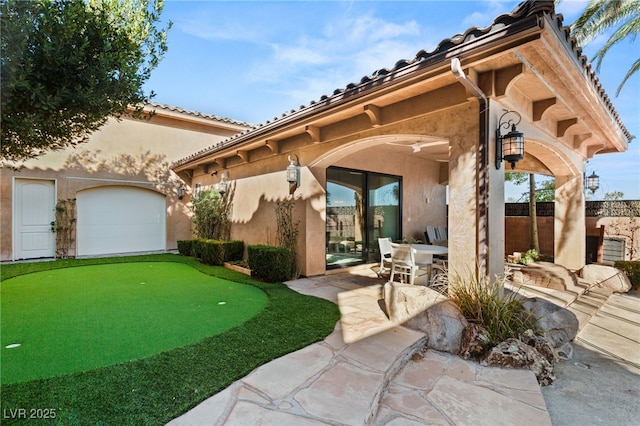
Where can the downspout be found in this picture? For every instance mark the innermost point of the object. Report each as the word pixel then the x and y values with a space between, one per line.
pixel 482 170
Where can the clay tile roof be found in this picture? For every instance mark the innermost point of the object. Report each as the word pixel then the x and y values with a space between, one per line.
pixel 199 114
pixel 523 10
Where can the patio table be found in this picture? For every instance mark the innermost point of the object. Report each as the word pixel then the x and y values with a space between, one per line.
pixel 430 249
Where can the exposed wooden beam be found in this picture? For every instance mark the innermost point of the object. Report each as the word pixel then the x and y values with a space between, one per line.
pixel 273 146
pixel 374 113
pixel 314 132
pixel 564 125
pixel 539 107
pixel 243 154
pixel 222 162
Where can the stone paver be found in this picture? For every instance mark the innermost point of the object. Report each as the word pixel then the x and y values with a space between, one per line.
pixel 371 371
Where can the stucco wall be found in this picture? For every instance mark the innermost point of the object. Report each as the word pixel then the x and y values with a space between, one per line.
pixel 124 153
pixel 518 239
pixel 255 197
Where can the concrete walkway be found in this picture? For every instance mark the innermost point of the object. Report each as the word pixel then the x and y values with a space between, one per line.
pixel 370 371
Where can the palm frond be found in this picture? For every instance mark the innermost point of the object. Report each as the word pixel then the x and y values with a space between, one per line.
pixel 629 28
pixel 634 68
pixel 601 16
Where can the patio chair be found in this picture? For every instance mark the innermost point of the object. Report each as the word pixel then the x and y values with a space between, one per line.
pixel 403 264
pixel 385 255
pixel 431 234
pixel 442 233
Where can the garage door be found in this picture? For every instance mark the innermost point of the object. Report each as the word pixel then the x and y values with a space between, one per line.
pixel 120 220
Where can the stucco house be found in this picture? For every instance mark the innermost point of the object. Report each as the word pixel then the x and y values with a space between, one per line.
pixel 377 157
pixel 126 195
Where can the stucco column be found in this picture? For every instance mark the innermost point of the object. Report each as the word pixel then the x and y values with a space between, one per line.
pixel 569 222
pixel 495 210
pixel 463 193
pixel 476 202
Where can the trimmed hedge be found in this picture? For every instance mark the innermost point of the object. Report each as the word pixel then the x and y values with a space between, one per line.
pixel 631 269
pixel 273 264
pixel 185 247
pixel 212 252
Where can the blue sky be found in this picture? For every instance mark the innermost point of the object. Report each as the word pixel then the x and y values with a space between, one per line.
pixel 254 60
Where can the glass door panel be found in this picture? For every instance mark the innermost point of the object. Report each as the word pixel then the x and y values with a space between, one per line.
pixel 383 212
pixel 345 217
pixel 361 207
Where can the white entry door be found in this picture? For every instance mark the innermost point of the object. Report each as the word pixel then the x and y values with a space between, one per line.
pixel 34 209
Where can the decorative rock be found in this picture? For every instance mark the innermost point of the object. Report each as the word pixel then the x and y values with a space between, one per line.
pixel 607 277
pixel 565 352
pixel 475 342
pixel 426 310
pixel 558 324
pixel 513 353
pixel 443 323
pixel 541 344
pixel 546 274
pixel 404 301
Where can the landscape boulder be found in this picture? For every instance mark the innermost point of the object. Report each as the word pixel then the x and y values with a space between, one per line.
pixel 606 277
pixel 546 274
pixel 558 324
pixel 426 310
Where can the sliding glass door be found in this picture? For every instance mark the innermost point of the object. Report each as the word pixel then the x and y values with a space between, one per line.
pixel 361 207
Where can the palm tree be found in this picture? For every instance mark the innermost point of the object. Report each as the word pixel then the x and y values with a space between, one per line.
pixel 602 15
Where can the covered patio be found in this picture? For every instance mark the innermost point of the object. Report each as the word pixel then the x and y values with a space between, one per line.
pixel 377 158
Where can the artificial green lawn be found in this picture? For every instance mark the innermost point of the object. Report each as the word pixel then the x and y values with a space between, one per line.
pixel 157 388
pixel 77 319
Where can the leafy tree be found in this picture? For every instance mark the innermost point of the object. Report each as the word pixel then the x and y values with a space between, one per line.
pixel 613 196
pixel 68 65
pixel 212 214
pixel 544 192
pixel 602 15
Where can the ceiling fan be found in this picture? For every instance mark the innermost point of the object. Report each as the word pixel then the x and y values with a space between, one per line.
pixel 417 146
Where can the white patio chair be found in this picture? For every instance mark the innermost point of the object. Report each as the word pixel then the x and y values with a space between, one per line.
pixel 403 264
pixel 424 262
pixel 385 255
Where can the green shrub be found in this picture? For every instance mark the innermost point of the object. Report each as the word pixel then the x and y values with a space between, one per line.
pixel 529 257
pixel 486 303
pixel 216 252
pixel 273 264
pixel 211 212
pixel 197 247
pixel 185 247
pixel 631 269
pixel 233 250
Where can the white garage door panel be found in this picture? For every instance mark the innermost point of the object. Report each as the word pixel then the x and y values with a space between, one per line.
pixel 120 220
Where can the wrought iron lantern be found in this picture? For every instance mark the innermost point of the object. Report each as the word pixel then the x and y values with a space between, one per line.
pixel 223 185
pixel 293 174
pixel 509 147
pixel 593 182
pixel 180 191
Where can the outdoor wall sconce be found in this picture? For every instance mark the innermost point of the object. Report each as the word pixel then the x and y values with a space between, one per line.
pixel 180 191
pixel 293 174
pixel 223 185
pixel 509 147
pixel 593 182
